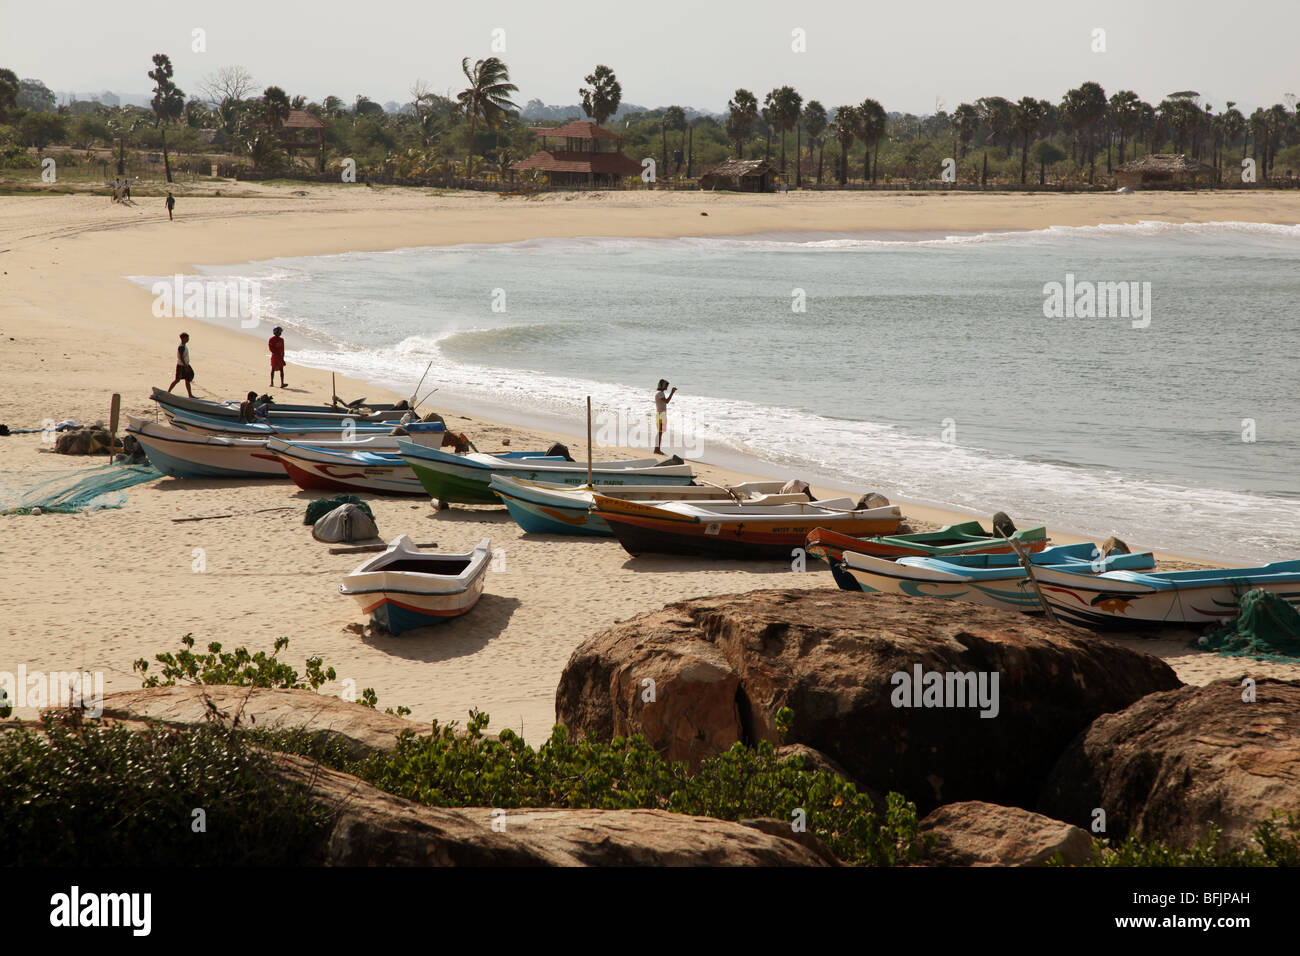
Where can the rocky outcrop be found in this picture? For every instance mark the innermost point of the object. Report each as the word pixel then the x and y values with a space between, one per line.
pixel 698 675
pixel 374 828
pixel 1172 763
pixel 361 730
pixel 973 833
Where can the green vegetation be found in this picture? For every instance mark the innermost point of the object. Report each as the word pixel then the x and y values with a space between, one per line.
pixel 86 795
pixel 57 780
pixel 480 131
pixel 1278 839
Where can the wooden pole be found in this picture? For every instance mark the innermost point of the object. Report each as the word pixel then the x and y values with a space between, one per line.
pixel 1029 570
pixel 589 441
pixel 421 382
pixel 334 392
pixel 114 412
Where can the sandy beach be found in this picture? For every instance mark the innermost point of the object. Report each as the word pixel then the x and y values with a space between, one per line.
pixel 97 591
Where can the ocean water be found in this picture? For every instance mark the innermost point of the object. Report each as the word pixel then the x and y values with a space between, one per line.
pixel 922 368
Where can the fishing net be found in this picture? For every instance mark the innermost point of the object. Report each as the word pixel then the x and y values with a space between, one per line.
pixel 80 491
pixel 1266 627
pixel 323 506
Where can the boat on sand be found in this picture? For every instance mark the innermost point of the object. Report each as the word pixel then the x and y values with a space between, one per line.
pixel 405 588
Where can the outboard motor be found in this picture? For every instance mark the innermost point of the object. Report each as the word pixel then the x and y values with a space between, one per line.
pixel 559 449
pixel 1003 526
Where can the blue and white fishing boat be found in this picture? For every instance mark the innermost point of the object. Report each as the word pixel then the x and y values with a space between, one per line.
pixel 406 588
pixel 1127 599
pixel 336 468
pixel 993 580
pixel 184 454
pixel 294 430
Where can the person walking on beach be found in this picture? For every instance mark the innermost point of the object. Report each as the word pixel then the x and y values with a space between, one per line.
pixel 171 204
pixel 184 371
pixel 276 345
pixel 661 412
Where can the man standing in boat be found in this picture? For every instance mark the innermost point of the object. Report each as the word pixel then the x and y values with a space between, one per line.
pixel 184 371
pixel 276 345
pixel 661 413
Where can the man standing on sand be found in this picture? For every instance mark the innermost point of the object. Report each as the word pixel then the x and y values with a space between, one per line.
pixel 171 204
pixel 661 412
pixel 184 371
pixel 276 345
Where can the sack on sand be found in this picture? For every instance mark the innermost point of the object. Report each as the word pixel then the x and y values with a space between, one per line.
pixel 323 506
pixel 345 523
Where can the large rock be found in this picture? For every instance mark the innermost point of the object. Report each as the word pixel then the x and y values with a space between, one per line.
pixel 374 828
pixel 984 834
pixel 362 730
pixel 1172 763
pixel 722 667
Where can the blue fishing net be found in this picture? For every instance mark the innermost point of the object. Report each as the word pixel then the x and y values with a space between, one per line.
pixel 1266 627
pixel 87 490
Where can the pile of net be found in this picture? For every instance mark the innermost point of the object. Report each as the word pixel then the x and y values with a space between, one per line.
pixel 1266 627
pixel 80 491
pixel 323 506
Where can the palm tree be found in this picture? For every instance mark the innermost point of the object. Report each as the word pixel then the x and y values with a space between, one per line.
pixel 600 101
pixel 1124 114
pixel 742 111
pixel 783 111
pixel 845 127
pixel 815 122
pixel 1233 125
pixel 275 107
pixel 872 123
pixel 487 98
pixel 674 118
pixel 168 102
pixel 1086 105
pixel 1026 116
pixel 965 120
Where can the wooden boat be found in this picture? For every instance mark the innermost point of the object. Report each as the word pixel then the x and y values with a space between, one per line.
pixel 994 580
pixel 346 469
pixel 544 507
pixel 183 454
pixel 405 588
pixel 968 537
pixel 1129 599
pixel 734 531
pixel 203 424
pixel 230 409
pixel 464 479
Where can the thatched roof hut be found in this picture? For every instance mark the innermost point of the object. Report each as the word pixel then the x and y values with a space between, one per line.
pixel 742 175
pixel 1162 170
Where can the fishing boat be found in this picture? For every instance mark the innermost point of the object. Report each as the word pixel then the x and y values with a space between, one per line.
pixel 206 425
pixel 230 409
pixel 183 454
pixel 734 530
pixel 465 479
pixel 346 469
pixel 1129 599
pixel 544 507
pixel 968 537
pixel 405 588
pixel 993 580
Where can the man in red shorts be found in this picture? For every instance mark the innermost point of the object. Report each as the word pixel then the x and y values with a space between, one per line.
pixel 276 345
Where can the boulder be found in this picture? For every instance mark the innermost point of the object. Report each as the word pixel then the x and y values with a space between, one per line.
pixel 1172 763
pixel 722 667
pixel 374 828
pixel 362 730
pixel 973 833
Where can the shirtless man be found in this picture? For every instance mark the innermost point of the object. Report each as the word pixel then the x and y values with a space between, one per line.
pixel 661 412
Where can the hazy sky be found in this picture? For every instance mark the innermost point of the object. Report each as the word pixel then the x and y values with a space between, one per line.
pixel 906 54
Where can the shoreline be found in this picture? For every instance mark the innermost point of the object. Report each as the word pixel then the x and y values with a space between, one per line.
pixel 102 589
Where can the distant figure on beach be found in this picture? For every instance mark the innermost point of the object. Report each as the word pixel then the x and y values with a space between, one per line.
pixel 184 371
pixel 126 189
pixel 661 412
pixel 171 204
pixel 250 411
pixel 276 345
